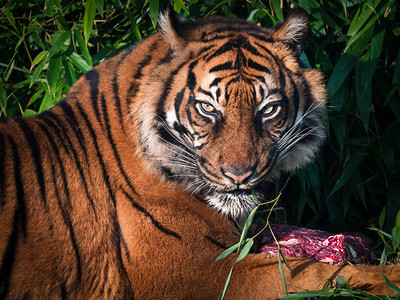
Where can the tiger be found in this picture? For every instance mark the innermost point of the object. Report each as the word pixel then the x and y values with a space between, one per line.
pixel 133 185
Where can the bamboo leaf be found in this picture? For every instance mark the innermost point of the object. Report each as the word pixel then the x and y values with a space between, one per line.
pixel 154 11
pixel 382 217
pixel 245 250
pixel 100 6
pixel 37 72
pixel 397 220
pixel 276 5
pixel 342 69
pixel 29 113
pixel 315 10
pixel 88 18
pixel 79 62
pixel 70 73
pixel 227 251
pixel 3 99
pixel 281 270
pixel 361 16
pixel 247 226
pixel 228 279
pixel 370 23
pixel 396 236
pixel 59 43
pixel 42 55
pixel 83 47
pixel 391 285
pixel 53 72
pixel 351 166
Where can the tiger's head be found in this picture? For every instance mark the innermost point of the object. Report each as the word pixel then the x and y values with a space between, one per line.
pixel 230 107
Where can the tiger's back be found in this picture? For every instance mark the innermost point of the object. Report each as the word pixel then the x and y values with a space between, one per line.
pixel 131 186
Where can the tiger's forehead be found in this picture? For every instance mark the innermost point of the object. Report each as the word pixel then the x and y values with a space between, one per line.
pixel 224 90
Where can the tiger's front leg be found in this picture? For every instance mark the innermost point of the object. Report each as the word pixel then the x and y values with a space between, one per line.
pixel 172 247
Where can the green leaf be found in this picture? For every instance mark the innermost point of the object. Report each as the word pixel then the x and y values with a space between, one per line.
pixel 276 5
pixel 37 72
pixel 281 270
pixel 245 250
pixel 59 43
pixel 365 70
pixel 53 73
pixel 396 236
pixel 83 47
pixel 100 6
pixel 391 285
pixel 247 225
pixel 42 55
pixel 154 11
pixel 370 23
pixel 70 73
pixel 397 220
pixel 79 62
pixel 46 102
pixel 3 100
pixel 228 279
pixel 29 113
pixel 361 16
pixel 342 69
pixel 382 217
pixel 315 10
pixel 88 18
pixel 351 166
pixel 228 251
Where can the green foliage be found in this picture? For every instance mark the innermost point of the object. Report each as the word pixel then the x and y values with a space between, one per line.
pixel 46 45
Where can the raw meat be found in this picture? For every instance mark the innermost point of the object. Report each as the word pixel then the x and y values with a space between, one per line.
pixel 323 246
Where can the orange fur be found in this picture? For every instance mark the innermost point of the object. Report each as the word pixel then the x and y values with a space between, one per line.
pixel 86 213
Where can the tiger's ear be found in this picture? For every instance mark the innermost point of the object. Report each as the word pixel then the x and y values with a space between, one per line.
pixel 176 29
pixel 293 30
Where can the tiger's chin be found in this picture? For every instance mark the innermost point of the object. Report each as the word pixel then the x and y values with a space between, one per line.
pixel 237 204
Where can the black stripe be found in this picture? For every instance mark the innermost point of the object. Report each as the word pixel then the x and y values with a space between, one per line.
pixel 118 239
pixel 56 153
pixel 125 245
pixel 228 46
pixel 64 295
pixel 98 154
pixel 74 126
pixel 67 221
pixel 256 66
pixel 112 143
pixel 191 78
pixel 115 86
pixel 93 78
pixel 64 134
pixel 36 155
pixel 200 90
pixel 215 242
pixel 177 103
pixel 222 67
pixel 19 222
pixel 106 178
pixel 152 219
pixel 214 38
pixel 166 91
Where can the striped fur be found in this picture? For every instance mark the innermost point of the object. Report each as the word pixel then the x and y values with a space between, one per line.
pixel 116 192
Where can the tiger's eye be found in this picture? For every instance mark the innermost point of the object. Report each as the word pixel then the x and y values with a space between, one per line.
pixel 207 107
pixel 269 110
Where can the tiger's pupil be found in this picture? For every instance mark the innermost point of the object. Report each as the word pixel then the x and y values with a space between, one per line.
pixel 207 107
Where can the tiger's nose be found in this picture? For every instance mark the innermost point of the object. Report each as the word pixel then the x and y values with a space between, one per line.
pixel 237 176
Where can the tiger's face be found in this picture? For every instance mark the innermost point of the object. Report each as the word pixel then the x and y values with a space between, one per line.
pixel 238 111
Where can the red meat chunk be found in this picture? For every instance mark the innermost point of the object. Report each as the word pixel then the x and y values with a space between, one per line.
pixel 323 246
